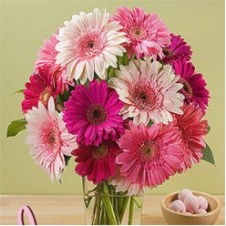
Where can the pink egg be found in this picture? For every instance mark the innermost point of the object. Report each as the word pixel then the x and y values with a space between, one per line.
pixel 188 213
pixel 201 211
pixel 191 203
pixel 203 204
pixel 184 193
pixel 178 206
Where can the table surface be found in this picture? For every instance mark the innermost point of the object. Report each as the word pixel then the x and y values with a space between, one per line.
pixel 68 209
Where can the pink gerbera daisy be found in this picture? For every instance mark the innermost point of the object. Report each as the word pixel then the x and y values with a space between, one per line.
pixel 97 163
pixel 47 53
pixel 194 88
pixel 146 33
pixel 92 113
pixel 178 49
pixel 193 129
pixel 47 56
pixel 150 154
pixel 149 91
pixel 44 83
pixel 89 43
pixel 48 138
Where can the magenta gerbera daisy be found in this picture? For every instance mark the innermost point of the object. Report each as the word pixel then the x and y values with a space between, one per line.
pixel 178 49
pixel 193 129
pixel 89 43
pixel 149 91
pixel 97 163
pixel 92 113
pixel 147 34
pixel 194 85
pixel 48 138
pixel 44 83
pixel 150 154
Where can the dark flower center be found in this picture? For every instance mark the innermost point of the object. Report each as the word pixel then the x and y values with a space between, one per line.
pixel 147 150
pixel 137 33
pixel 143 96
pixel 100 152
pixel 96 114
pixel 45 95
pixel 50 137
pixel 167 52
pixel 187 89
pixel 90 44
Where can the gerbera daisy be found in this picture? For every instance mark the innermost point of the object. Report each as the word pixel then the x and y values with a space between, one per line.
pixel 97 163
pixel 178 49
pixel 148 91
pixel 44 83
pixel 92 113
pixel 47 53
pixel 124 185
pixel 89 43
pixel 193 129
pixel 150 154
pixel 194 88
pixel 47 56
pixel 146 33
pixel 48 138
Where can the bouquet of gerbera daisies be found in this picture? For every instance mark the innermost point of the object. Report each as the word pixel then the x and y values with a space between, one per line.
pixel 121 95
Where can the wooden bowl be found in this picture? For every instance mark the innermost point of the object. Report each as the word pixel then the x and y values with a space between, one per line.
pixel 173 217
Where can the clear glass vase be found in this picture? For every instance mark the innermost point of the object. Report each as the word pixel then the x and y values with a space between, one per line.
pixel 104 206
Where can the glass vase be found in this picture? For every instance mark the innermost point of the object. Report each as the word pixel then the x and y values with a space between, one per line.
pixel 104 206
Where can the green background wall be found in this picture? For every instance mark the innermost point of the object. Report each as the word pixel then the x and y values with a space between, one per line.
pixel 24 24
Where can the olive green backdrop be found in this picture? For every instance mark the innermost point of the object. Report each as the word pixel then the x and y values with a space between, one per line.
pixel 24 24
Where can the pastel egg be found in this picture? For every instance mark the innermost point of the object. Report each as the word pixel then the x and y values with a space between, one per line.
pixel 191 203
pixel 203 204
pixel 201 211
pixel 184 193
pixel 178 206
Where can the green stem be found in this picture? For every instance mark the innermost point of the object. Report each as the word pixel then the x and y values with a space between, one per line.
pixel 108 205
pixel 131 205
pixel 116 208
pixel 123 207
pixel 102 218
pixel 98 205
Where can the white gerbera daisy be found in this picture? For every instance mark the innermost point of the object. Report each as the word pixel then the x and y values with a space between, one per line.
pixel 89 43
pixel 48 138
pixel 149 91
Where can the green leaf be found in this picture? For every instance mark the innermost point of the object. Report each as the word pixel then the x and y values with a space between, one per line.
pixel 67 158
pixel 209 128
pixel 15 127
pixel 18 91
pixel 208 155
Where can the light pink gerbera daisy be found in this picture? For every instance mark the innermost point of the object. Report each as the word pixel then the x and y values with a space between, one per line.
pixel 124 185
pixel 149 91
pixel 97 163
pixel 48 138
pixel 89 44
pixel 193 129
pixel 150 154
pixel 44 83
pixel 92 113
pixel 194 85
pixel 146 33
